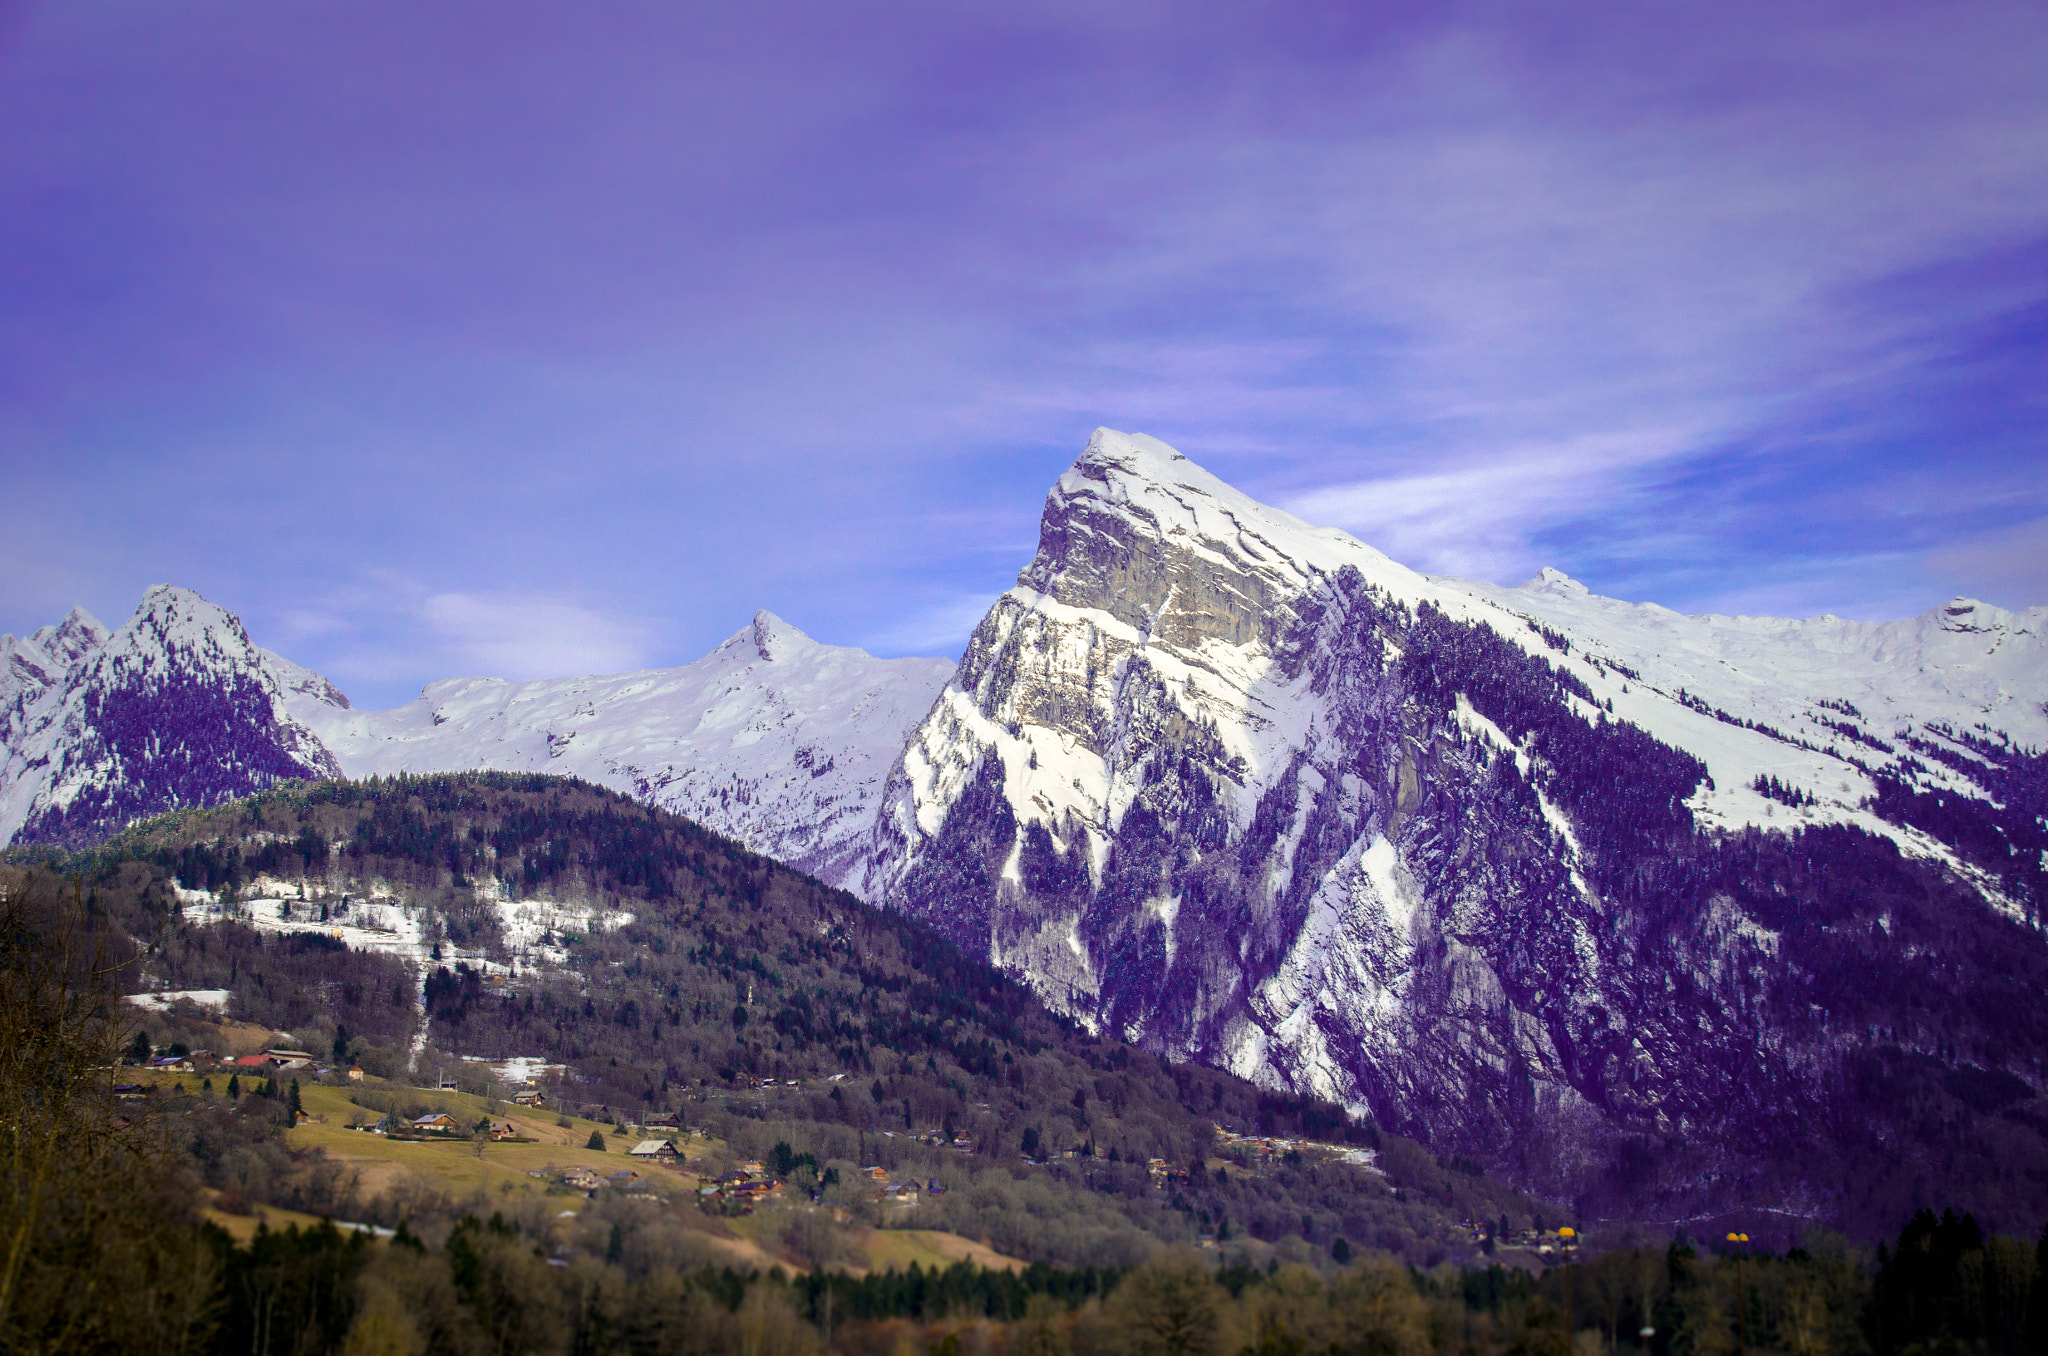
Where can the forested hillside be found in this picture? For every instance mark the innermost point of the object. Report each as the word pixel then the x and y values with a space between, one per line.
pixel 706 969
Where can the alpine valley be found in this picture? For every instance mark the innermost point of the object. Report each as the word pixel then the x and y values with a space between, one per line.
pixel 1664 915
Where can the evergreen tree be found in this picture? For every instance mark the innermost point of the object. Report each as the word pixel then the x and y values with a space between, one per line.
pixel 139 1049
pixel 234 1086
pixel 296 1108
pixel 596 1141
pixel 2037 1299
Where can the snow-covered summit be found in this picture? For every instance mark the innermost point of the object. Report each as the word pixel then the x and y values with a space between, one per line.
pixel 1552 580
pixel 1129 484
pixel 1148 561
pixel 773 738
pixel 1250 792
pixel 79 634
pixel 175 707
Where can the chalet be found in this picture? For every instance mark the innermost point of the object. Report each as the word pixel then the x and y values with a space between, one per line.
pixel 753 1168
pixel 289 1059
pixel 437 1122
pixel 662 1120
pixel 623 1177
pixel 876 1174
pixel 355 1073
pixel 582 1179
pixel 526 1097
pixel 504 1130
pixel 656 1151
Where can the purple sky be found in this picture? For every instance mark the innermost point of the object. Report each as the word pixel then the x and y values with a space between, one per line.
pixel 534 339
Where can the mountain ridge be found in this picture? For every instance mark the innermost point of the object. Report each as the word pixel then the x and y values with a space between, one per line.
pixel 1614 898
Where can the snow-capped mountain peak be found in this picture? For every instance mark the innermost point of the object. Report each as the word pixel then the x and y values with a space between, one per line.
pixel 70 640
pixel 773 738
pixel 1518 866
pixel 1550 579
pixel 776 639
pixel 174 707
pixel 1248 791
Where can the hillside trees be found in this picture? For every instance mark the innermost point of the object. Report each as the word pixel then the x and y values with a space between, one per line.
pixel 97 1239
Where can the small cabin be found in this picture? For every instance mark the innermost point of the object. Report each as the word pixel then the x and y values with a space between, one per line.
pixel 656 1151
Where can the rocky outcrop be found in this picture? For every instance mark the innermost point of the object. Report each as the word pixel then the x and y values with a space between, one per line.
pixel 1248 792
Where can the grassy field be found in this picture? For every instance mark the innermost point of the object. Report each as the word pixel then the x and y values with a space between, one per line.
pixel 242 1228
pixel 464 1168
pixel 896 1249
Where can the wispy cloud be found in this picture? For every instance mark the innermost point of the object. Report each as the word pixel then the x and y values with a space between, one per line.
pixel 937 627
pixel 510 636
pixel 1691 301
pixel 384 627
pixel 1477 519
pixel 2009 566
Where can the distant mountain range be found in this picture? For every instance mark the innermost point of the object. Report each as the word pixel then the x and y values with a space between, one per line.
pixel 1692 911
pixel 772 738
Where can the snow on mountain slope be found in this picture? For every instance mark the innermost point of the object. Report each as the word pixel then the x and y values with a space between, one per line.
pixel 1249 792
pixel 31 665
pixel 176 707
pixel 1208 618
pixel 773 739
pixel 1845 688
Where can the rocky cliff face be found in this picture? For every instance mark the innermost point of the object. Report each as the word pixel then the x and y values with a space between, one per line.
pixel 1248 792
pixel 175 708
pixel 1675 914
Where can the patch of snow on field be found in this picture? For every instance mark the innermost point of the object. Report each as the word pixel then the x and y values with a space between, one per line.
pixel 525 1068
pixel 162 1000
pixel 533 927
pixel 386 926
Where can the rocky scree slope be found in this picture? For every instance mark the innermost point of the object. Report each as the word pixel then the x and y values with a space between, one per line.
pixel 1553 880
